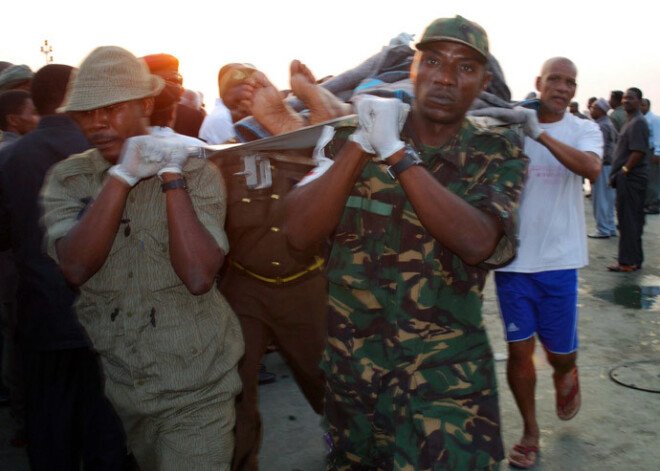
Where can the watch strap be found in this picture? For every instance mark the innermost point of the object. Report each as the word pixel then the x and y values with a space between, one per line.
pixel 174 184
pixel 409 159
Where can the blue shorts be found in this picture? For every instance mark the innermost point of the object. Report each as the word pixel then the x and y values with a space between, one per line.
pixel 543 303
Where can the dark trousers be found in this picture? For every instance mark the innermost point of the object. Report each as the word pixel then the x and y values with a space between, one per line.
pixel 70 423
pixel 630 196
pixel 293 316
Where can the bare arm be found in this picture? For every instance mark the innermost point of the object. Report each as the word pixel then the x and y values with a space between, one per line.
pixel 470 233
pixel 83 250
pixel 585 164
pixel 633 159
pixel 194 253
pixel 314 210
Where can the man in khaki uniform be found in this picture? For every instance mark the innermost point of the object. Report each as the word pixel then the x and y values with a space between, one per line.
pixel 144 252
pixel 278 294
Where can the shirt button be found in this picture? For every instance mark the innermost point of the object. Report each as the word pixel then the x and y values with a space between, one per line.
pixel 193 351
pixel 419 236
pixel 275 264
pixel 504 214
pixel 133 350
pixel 275 229
pixel 130 274
pixel 129 314
pixel 131 199
pixel 140 383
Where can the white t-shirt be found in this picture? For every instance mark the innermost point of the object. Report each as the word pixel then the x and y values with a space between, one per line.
pixel 163 131
pixel 552 227
pixel 217 127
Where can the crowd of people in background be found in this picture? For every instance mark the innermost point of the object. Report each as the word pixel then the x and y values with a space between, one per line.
pixel 141 286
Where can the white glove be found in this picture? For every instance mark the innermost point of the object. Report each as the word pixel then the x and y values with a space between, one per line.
pixel 403 39
pixel 360 137
pixel 145 156
pixel 531 126
pixel 175 157
pixel 380 123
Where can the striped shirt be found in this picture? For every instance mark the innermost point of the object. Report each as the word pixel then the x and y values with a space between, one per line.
pixel 153 335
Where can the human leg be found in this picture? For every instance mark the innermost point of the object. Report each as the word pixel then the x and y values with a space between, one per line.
pixel 521 376
pixel 516 295
pixel 610 195
pixel 652 203
pixel 602 204
pixel 558 319
pixel 567 386
pixel 13 370
pixel 69 420
pixel 299 327
pixel 249 429
pixel 198 437
pixel 354 364
pixel 242 293
pixel 361 439
pixel 630 212
pixel 102 435
pixel 447 417
pixel 321 103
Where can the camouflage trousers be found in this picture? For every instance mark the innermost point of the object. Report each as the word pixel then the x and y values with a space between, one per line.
pixel 390 407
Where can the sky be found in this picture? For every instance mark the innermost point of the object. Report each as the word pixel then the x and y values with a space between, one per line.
pixel 613 49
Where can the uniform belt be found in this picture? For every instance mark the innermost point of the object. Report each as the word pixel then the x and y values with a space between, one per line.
pixel 280 280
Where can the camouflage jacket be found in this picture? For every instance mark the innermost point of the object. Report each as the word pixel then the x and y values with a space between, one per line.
pixel 380 244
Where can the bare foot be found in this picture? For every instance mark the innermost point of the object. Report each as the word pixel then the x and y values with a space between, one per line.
pixel 322 104
pixel 270 110
pixel 567 391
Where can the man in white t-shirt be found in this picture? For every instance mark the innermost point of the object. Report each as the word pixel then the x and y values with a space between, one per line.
pixel 538 291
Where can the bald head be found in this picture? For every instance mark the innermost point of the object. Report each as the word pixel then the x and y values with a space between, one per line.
pixel 548 65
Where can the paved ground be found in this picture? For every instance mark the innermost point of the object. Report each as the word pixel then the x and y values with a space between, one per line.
pixel 618 428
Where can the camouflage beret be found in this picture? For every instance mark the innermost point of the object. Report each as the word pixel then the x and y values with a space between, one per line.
pixel 13 76
pixel 458 30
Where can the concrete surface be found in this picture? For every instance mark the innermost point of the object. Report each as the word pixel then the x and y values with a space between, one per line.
pixel 617 428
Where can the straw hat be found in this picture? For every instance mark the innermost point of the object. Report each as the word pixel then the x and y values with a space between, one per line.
pixel 110 75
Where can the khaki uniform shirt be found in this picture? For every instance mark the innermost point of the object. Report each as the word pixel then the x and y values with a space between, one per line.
pixel 256 216
pixel 154 337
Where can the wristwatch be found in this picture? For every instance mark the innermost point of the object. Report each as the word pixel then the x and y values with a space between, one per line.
pixel 411 158
pixel 173 184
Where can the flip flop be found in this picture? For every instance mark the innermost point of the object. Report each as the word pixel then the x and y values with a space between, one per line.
pixel 563 401
pixel 525 451
pixel 623 268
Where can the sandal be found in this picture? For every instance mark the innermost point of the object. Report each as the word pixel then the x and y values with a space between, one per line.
pixel 573 395
pixel 623 268
pixel 530 453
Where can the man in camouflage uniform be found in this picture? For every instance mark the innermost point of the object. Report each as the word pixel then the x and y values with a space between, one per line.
pixel 410 382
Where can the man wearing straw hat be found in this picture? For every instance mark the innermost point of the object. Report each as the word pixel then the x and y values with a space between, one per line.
pixel 138 229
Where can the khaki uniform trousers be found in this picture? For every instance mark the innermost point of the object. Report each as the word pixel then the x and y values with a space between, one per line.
pixel 293 316
pixel 187 430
